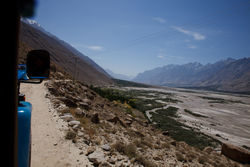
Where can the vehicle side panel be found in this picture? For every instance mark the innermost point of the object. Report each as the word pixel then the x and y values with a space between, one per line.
pixel 24 133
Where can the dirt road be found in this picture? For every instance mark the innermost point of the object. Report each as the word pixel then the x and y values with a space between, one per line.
pixel 49 147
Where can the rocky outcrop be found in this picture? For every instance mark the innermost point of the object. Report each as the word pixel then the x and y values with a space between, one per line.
pixel 235 153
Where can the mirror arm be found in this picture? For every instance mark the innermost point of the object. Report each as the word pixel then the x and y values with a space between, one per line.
pixel 30 81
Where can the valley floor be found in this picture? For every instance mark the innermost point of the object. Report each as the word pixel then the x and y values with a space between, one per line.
pixel 223 116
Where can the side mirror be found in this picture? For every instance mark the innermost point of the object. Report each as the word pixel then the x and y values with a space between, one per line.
pixel 38 64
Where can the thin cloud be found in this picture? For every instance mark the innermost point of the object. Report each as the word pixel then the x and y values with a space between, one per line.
pixel 195 35
pixel 90 47
pixel 95 48
pixel 159 20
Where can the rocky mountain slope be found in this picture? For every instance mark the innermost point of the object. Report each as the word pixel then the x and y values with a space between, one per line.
pixel 113 136
pixel 227 75
pixel 75 63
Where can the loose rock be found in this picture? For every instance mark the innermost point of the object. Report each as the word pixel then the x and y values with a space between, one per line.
pixel 80 134
pixel 96 157
pixel 79 112
pixel 106 147
pixel 72 123
pixel 84 105
pixel 67 117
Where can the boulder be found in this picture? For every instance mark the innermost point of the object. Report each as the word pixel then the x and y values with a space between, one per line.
pixel 235 153
pixel 90 150
pixel 80 134
pixel 75 127
pixel 106 147
pixel 84 105
pixel 96 157
pixel 79 112
pixel 112 160
pixel 87 101
pixel 67 117
pixel 72 123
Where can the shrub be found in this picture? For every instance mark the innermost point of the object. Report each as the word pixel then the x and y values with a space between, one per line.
pixel 119 146
pixel 70 135
pixel 147 143
pixel 202 159
pixel 190 155
pixel 126 149
pixel 180 157
pixel 143 161
pixel 130 150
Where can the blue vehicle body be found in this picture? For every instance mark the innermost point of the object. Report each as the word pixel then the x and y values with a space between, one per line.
pixel 24 133
pixel 22 73
pixel 24 124
pixel 34 71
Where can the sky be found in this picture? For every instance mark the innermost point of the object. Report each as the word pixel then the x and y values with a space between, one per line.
pixel 131 36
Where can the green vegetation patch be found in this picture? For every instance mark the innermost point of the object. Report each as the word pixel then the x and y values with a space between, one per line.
pixel 169 112
pixel 166 120
pixel 112 94
pixel 128 97
pixel 144 104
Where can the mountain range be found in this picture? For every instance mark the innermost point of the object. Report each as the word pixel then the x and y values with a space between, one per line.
pixel 63 54
pixel 225 75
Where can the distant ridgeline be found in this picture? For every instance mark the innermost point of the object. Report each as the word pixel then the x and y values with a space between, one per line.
pixel 227 75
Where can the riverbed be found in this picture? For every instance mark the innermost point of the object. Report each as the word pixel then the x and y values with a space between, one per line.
pixel 224 116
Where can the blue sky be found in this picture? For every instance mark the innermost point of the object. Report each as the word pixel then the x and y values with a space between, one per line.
pixel 131 36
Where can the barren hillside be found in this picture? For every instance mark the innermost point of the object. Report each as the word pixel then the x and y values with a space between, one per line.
pixel 75 63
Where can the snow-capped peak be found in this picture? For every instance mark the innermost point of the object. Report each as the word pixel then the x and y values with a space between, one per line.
pixel 31 22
